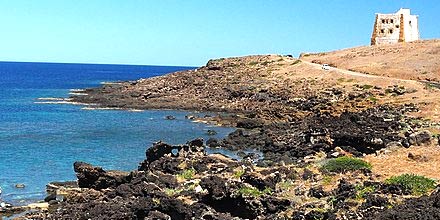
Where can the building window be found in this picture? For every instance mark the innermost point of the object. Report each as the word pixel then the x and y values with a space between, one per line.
pixel 397 26
pixel 391 31
pixel 383 21
pixel 392 21
pixel 409 22
pixel 382 31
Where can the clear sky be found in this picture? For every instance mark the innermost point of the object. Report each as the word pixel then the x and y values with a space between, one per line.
pixel 190 32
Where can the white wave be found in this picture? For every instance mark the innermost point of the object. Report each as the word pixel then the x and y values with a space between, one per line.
pixel 53 99
pixel 135 110
pixel 99 108
pixel 64 102
pixel 77 93
pixel 77 90
pixel 110 108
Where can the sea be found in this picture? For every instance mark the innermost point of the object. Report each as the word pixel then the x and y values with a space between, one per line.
pixel 40 142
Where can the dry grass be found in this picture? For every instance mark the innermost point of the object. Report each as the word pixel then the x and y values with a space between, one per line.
pixel 397 162
pixel 428 99
pixel 416 60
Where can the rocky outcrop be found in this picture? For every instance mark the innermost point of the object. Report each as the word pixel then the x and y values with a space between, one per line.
pixel 425 207
pixel 358 133
pixel 96 178
pixel 188 184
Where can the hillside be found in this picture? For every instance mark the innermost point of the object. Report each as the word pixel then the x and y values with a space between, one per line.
pixel 269 87
pixel 418 60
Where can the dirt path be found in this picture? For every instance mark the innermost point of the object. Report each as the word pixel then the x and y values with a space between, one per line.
pixel 353 73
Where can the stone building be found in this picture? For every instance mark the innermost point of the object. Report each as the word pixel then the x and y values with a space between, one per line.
pixel 393 28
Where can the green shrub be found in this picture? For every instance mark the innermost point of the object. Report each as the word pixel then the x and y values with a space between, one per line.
pixel 373 99
pixel 187 174
pixel 238 173
pixel 295 62
pixel 254 192
pixel 361 191
pixel 418 185
pixel 253 63
pixel 327 180
pixel 172 192
pixel 344 164
pixel 366 87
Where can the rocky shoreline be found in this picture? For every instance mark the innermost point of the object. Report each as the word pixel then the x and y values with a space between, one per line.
pixel 303 125
pixel 284 122
pixel 183 182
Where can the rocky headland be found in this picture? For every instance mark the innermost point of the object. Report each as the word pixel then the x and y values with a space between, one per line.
pixel 327 138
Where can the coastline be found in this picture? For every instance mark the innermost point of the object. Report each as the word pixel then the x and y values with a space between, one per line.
pixel 299 129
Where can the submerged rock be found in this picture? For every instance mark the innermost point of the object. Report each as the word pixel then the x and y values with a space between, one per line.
pixel 211 132
pixel 20 185
pixel 170 117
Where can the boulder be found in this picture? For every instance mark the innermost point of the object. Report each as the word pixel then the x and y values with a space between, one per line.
pixel 418 158
pixel 212 142
pixel 170 117
pixel 158 150
pixel 50 197
pixel 249 124
pixel 419 138
pixel 211 132
pixel 20 185
pixel 93 177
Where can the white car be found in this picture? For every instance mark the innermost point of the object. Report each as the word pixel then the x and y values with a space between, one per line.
pixel 325 67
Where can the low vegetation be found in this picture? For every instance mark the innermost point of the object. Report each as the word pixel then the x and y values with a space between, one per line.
pixel 361 191
pixel 372 98
pixel 366 86
pixel 253 63
pixel 295 62
pixel 345 164
pixel 254 192
pixel 187 174
pixel 238 173
pixel 418 185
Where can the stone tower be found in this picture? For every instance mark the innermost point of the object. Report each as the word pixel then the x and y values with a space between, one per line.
pixel 394 28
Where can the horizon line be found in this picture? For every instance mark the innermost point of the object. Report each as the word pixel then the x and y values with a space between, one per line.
pixel 80 63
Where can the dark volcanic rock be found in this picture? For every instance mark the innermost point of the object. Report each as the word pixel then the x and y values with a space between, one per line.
pixel 358 133
pixel 419 138
pixel 249 123
pixel 160 149
pixel 318 192
pixel 425 207
pixel 95 177
pixel 211 132
pixel 212 142
pixel 154 192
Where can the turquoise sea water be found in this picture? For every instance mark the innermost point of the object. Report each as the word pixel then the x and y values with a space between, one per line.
pixel 40 142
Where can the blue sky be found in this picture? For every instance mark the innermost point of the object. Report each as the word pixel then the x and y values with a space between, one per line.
pixel 190 32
